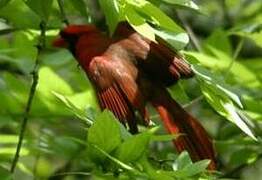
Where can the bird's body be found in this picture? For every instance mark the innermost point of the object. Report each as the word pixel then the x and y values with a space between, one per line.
pixel 129 71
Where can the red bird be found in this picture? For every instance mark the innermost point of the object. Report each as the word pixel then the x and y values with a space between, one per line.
pixel 128 71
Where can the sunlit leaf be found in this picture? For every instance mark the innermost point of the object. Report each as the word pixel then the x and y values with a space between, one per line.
pixel 133 148
pixel 10 151
pixel 138 23
pixel 192 169
pixel 183 3
pixel 164 26
pixel 111 10
pixel 8 139
pixel 105 132
pixel 79 112
pixel 183 166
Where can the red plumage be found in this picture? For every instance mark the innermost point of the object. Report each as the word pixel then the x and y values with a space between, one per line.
pixel 129 71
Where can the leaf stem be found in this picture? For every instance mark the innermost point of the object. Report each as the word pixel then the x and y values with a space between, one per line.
pixel 190 32
pixel 235 55
pixel 40 46
pixel 62 11
pixel 193 102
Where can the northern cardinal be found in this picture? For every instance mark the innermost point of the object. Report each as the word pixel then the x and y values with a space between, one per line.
pixel 128 71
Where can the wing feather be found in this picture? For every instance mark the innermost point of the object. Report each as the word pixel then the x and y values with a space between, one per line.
pixel 117 89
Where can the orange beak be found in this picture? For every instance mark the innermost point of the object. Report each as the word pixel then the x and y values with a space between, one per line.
pixel 60 42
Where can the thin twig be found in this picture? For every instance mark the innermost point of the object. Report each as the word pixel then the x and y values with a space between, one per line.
pixel 40 46
pixel 193 102
pixel 190 32
pixel 62 11
pixel 235 55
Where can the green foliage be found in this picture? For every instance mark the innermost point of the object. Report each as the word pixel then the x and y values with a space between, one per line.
pixel 145 18
pixel 185 168
pixel 111 10
pixel 79 5
pixel 105 132
pixel 5 174
pixel 40 7
pixel 4 3
pixel 105 140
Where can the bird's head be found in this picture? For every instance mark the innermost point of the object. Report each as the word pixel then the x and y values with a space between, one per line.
pixel 70 35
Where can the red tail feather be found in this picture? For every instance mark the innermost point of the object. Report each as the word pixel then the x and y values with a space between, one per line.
pixel 193 137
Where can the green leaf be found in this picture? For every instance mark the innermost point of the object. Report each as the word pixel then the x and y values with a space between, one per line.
pixel 192 169
pixel 168 137
pixel 5 174
pixel 211 80
pixel 221 100
pixel 133 148
pixel 176 40
pixel 219 40
pixel 138 23
pixel 166 28
pixel 50 82
pixel 183 3
pixel 45 102
pixel 80 113
pixel 40 7
pixel 3 3
pixel 123 165
pixel 182 161
pixel 105 132
pixel 8 139
pixel 256 37
pixel 10 151
pixel 243 156
pixel 111 10
pixel 184 167
pixel 221 62
pixel 251 31
pixel 253 106
pixel 237 119
pixel 178 92
pixel 151 171
pixel 19 9
pixel 156 15
pixel 80 6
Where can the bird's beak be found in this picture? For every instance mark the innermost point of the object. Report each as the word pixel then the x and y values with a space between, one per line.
pixel 60 42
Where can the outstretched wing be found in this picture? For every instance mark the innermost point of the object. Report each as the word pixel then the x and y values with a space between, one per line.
pixel 155 58
pixel 117 90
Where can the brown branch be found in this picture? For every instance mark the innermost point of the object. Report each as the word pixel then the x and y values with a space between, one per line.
pixel 40 46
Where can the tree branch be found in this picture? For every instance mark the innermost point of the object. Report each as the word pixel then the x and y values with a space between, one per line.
pixel 40 46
